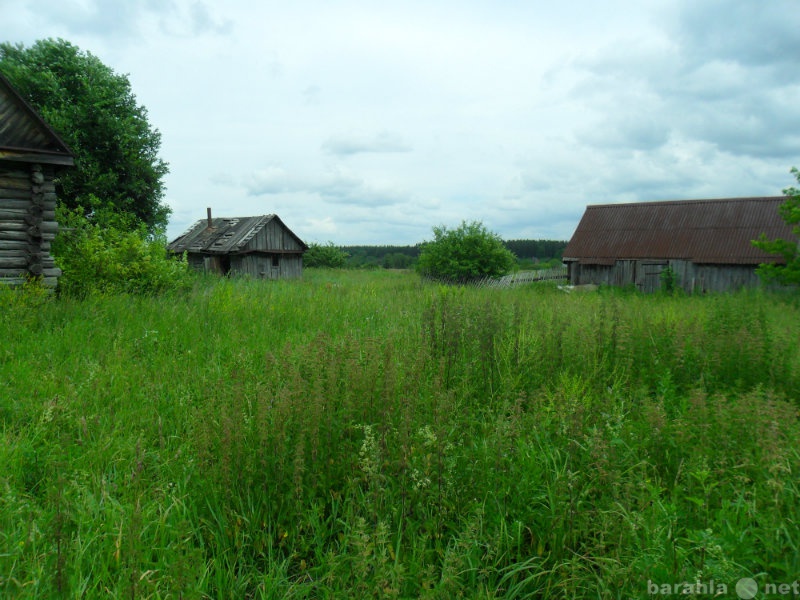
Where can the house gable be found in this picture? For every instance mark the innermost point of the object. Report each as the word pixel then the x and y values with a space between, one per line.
pixel 24 136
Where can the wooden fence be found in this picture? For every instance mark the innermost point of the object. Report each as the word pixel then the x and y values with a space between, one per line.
pixel 522 277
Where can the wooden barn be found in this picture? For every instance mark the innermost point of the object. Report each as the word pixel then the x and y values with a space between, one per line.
pixel 259 247
pixel 31 155
pixel 706 243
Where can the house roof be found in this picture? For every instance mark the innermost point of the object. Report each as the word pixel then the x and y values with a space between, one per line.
pixel 24 136
pixel 703 231
pixel 227 235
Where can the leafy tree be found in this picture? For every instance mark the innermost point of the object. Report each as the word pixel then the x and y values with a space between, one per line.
pixel 94 110
pixel 789 273
pixel 466 253
pixel 324 256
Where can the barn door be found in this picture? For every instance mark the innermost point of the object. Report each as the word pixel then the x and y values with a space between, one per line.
pixel 651 276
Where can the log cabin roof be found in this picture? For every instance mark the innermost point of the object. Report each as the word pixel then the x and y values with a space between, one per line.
pixel 24 136
pixel 227 235
pixel 702 231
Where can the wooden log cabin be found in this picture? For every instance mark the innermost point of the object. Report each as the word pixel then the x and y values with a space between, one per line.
pixel 261 247
pixel 31 155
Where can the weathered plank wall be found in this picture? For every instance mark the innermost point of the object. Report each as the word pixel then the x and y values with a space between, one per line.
pixel 273 237
pixel 256 265
pixel 646 275
pixel 716 278
pixel 27 223
pixel 269 265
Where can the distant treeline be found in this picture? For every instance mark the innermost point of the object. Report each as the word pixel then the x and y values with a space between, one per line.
pixel 389 257
pixel 528 253
pixel 540 250
pixel 536 251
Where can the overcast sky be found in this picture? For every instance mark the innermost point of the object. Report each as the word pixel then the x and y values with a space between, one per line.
pixel 372 122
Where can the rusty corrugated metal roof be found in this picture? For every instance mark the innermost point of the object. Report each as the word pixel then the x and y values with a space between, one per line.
pixel 703 231
pixel 23 133
pixel 227 235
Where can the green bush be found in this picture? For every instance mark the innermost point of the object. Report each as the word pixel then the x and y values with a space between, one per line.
pixel 113 253
pixel 469 252
pixel 325 256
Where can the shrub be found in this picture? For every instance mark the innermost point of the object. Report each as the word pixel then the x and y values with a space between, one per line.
pixel 669 281
pixel 113 253
pixel 325 256
pixel 467 253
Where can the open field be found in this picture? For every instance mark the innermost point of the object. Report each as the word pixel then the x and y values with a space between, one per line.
pixel 359 434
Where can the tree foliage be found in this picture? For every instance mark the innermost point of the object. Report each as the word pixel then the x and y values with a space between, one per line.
pixel 463 254
pixel 789 273
pixel 325 256
pixel 94 110
pixel 397 260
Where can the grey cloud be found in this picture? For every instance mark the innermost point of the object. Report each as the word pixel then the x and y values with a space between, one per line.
pixel 764 125
pixel 676 170
pixel 101 17
pixel 633 132
pixel 336 187
pixel 728 78
pixel 124 19
pixel 750 33
pixel 384 142
pixel 202 21
pixel 312 94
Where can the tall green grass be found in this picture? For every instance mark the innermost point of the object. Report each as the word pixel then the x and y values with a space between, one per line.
pixel 364 435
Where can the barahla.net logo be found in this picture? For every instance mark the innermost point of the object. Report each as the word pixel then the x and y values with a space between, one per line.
pixel 746 588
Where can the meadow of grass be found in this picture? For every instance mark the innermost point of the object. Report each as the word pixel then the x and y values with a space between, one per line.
pixel 366 435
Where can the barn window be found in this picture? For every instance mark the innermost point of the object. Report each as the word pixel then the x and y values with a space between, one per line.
pixel 276 260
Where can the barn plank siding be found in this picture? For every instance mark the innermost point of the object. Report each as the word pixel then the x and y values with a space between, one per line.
pixel 645 276
pixel 707 243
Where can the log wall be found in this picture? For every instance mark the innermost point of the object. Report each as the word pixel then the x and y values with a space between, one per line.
pixel 27 223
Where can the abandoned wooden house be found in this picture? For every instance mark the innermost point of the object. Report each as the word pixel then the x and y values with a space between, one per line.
pixel 31 155
pixel 259 247
pixel 707 244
